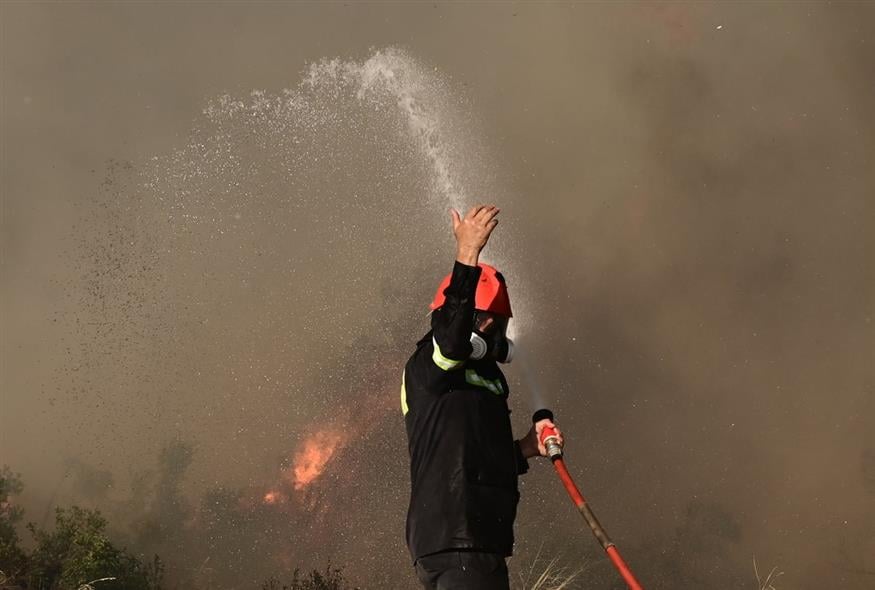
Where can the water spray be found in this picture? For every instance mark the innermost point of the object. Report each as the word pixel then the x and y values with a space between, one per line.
pixel 550 440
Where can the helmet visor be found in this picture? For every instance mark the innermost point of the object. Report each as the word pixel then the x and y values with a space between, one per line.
pixel 490 324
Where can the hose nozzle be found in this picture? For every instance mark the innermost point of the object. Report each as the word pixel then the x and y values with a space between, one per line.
pixel 551 443
pixel 549 438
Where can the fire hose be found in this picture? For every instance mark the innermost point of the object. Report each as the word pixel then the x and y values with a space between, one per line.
pixel 554 450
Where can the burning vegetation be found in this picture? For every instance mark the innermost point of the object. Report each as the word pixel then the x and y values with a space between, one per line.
pixel 312 459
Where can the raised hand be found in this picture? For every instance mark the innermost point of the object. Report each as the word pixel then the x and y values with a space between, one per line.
pixel 473 231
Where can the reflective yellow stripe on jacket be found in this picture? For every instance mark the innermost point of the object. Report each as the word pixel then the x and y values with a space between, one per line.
pixel 493 385
pixel 443 362
pixel 404 408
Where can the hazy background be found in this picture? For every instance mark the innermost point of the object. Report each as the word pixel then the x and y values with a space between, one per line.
pixel 193 291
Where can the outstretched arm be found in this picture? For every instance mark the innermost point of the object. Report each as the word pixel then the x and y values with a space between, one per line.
pixel 453 321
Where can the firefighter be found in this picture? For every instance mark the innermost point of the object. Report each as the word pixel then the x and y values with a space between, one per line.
pixel 464 461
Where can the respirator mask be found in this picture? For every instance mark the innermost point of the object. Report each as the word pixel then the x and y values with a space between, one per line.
pixel 489 338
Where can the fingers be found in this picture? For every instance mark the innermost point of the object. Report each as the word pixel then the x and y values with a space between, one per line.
pixel 482 213
pixel 473 211
pixel 542 424
pixel 539 428
pixel 559 436
pixel 486 213
pixel 473 230
pixel 456 218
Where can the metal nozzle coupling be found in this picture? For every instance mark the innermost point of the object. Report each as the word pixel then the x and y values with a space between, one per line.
pixel 551 443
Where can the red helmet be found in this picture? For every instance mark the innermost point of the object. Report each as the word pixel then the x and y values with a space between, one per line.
pixel 491 293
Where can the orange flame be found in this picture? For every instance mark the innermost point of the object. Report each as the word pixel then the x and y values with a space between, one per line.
pixel 310 461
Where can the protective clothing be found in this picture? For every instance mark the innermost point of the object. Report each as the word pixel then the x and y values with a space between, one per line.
pixel 463 570
pixel 464 462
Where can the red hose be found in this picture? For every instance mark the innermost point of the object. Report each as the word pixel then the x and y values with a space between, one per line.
pixel 621 566
pixel 590 517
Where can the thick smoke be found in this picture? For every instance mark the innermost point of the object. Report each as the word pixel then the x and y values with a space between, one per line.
pixel 686 229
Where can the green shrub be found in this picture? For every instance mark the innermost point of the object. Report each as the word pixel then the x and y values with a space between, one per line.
pixel 13 560
pixel 76 554
pixel 78 551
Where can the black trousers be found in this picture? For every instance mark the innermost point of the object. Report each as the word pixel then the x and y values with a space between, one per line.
pixel 462 570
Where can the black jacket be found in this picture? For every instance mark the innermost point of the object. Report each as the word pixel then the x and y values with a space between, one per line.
pixel 463 459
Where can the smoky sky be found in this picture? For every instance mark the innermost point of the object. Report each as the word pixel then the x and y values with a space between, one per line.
pixel 194 283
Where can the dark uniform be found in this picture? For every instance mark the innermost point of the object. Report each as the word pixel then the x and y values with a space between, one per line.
pixel 464 461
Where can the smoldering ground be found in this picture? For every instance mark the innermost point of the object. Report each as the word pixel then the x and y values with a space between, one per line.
pixel 687 220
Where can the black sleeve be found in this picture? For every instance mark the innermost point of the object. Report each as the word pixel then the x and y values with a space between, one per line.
pixel 453 321
pixel 522 464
